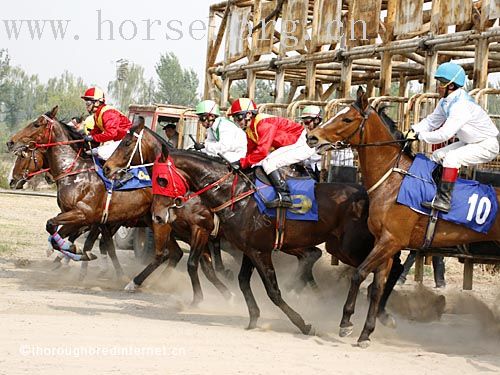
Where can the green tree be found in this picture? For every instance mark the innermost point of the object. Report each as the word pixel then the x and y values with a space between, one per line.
pixel 130 86
pixel 175 84
pixel 264 91
pixel 64 91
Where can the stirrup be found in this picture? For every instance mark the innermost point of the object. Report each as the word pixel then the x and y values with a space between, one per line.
pixel 279 202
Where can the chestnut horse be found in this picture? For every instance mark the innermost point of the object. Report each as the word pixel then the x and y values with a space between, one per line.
pixel 394 226
pixel 342 211
pixel 82 195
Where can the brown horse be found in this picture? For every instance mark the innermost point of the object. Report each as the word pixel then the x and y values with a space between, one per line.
pixel 342 211
pixel 394 226
pixel 27 165
pixel 82 195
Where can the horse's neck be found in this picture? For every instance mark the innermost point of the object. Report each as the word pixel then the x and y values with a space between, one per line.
pixel 61 157
pixel 376 161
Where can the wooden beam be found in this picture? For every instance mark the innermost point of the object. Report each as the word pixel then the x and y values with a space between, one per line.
pixel 311 80
pixel 346 79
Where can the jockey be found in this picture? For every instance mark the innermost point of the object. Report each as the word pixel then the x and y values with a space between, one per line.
pixel 223 136
pixel 310 118
pixel 272 142
pixel 110 124
pixel 456 115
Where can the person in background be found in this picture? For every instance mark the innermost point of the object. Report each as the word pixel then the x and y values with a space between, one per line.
pixel 171 133
pixel 437 265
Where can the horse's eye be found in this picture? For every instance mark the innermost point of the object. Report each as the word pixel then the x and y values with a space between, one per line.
pixel 36 124
pixel 128 142
pixel 163 182
pixel 346 119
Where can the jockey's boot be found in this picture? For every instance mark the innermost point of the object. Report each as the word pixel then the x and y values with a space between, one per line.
pixel 442 200
pixel 283 198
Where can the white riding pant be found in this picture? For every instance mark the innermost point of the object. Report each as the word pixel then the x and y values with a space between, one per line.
pixel 106 149
pixel 288 155
pixel 464 154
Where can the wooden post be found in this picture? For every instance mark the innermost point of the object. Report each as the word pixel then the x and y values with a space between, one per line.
pixel 346 78
pixel 419 268
pixel 224 95
pixel 311 80
pixel 370 88
pixel 482 52
pixel 251 83
pixel 209 87
pixel 468 274
pixel 280 86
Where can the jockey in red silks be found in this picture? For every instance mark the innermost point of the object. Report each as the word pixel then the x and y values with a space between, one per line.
pixel 110 124
pixel 272 142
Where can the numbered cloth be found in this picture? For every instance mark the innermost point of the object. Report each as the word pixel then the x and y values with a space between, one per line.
pixel 140 180
pixel 473 205
pixel 305 206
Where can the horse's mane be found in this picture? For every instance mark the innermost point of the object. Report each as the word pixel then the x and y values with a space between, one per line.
pixel 389 122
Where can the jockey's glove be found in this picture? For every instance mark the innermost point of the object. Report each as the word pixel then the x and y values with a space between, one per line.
pixel 88 138
pixel 411 135
pixel 236 166
pixel 198 146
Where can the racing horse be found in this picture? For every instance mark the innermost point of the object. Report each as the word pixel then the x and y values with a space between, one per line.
pixel 394 226
pixel 82 195
pixel 32 163
pixel 342 216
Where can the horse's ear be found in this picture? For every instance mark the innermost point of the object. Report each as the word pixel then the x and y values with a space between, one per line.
pixel 53 112
pixel 164 154
pixel 362 99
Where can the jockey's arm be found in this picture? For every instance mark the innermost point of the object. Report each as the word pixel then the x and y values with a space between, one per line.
pixel 111 120
pixel 228 141
pixel 459 116
pixel 431 122
pixel 266 132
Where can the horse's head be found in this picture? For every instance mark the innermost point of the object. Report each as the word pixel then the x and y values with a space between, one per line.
pixel 26 165
pixel 346 128
pixel 37 131
pixel 131 151
pixel 163 206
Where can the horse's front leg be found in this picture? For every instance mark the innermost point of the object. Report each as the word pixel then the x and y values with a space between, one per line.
pixel 107 246
pixel 263 263
pixel 57 240
pixel 199 239
pixel 161 233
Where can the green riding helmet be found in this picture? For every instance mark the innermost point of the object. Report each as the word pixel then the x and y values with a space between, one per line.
pixel 208 107
pixel 311 111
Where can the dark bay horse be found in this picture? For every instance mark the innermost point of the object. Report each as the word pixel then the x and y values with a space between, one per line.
pixel 82 195
pixel 342 210
pixel 394 226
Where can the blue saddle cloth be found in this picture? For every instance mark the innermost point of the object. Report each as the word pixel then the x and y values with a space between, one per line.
pixel 305 206
pixel 140 180
pixel 473 205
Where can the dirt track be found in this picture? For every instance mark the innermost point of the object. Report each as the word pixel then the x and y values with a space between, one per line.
pixel 51 324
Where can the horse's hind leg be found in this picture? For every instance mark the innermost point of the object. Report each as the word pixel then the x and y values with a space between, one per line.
pixel 107 245
pixel 396 270
pixel 214 246
pixel 87 246
pixel 307 259
pixel 208 270
pixel 246 270
pixel 264 265
pixel 199 238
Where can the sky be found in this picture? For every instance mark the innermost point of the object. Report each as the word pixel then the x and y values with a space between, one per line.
pixel 88 52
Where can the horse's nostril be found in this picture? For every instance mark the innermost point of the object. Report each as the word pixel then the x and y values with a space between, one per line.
pixel 10 145
pixel 158 219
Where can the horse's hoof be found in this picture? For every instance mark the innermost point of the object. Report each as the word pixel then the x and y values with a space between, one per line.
pixel 312 330
pixel 345 331
pixel 252 325
pixel 387 320
pixel 364 344
pixel 131 287
pixel 87 257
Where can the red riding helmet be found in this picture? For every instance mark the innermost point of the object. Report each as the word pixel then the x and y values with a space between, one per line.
pixel 242 105
pixel 94 93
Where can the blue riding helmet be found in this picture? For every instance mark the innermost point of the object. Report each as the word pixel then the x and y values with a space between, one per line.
pixel 451 72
